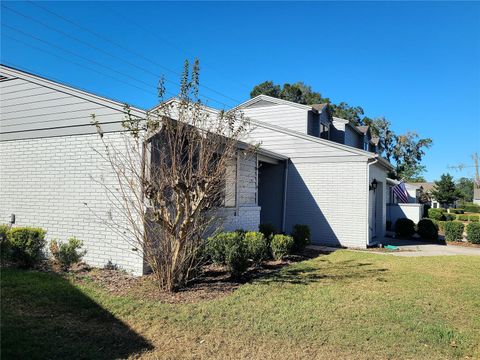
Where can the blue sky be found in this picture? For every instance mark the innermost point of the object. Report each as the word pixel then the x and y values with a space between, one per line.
pixel 418 64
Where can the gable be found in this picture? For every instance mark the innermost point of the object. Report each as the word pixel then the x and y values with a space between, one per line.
pixel 34 107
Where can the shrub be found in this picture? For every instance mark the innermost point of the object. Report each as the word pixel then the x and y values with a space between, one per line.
pixel 281 245
pixel 217 245
pixel 27 244
pixel 301 236
pixel 453 231
pixel 236 258
pixel 440 226
pixel 268 230
pixel 67 253
pixel 4 240
pixel 474 218
pixel 427 229
pixel 471 207
pixel 473 233
pixel 462 217
pixel 256 246
pixel 456 211
pixel 449 217
pixel 436 214
pixel 404 227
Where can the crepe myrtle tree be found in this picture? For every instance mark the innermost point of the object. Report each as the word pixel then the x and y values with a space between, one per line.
pixel 170 172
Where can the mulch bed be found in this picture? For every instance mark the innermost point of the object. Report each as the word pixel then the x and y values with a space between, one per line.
pixel 463 243
pixel 214 283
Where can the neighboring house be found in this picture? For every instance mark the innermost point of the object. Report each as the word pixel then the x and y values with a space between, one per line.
pixel 49 170
pixel 412 210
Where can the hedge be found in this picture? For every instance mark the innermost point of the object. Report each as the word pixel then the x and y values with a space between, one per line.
pixel 436 214
pixel 281 245
pixel 471 207
pixel 404 227
pixel 474 218
pixel 462 217
pixel 454 231
pixel 473 233
pixel 427 229
pixel 450 217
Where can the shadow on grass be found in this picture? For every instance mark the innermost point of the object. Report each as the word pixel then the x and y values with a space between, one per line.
pixel 44 317
pixel 322 270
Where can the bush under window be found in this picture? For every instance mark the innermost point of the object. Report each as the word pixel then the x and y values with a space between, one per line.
pixel 404 228
pixel 473 233
pixel 454 231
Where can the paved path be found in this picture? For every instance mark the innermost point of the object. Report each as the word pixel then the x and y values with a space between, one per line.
pixel 417 248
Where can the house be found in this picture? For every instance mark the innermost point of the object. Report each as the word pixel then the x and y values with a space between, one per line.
pixel 413 209
pixel 300 175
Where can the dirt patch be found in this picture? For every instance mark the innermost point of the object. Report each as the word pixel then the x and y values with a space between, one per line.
pixel 215 281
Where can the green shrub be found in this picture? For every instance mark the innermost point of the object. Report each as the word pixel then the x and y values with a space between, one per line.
pixel 440 226
pixel 462 217
pixel 236 258
pixel 4 241
pixel 67 253
pixel 474 218
pixel 27 244
pixel 436 214
pixel 453 231
pixel 456 211
pixel 217 245
pixel 473 233
pixel 450 217
pixel 268 230
pixel 256 246
pixel 404 228
pixel 281 245
pixel 471 207
pixel 301 236
pixel 427 229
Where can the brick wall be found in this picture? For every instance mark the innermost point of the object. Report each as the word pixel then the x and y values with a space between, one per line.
pixel 46 182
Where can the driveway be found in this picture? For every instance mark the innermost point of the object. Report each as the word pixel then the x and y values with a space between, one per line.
pixel 419 248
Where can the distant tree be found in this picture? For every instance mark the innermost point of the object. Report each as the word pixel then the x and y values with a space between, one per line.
pixel 347 112
pixel 445 191
pixel 404 151
pixel 266 88
pixel 465 188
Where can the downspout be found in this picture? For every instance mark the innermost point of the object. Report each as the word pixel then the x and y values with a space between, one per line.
pixel 285 184
pixel 368 199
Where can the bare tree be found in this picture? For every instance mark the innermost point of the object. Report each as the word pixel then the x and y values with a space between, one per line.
pixel 171 179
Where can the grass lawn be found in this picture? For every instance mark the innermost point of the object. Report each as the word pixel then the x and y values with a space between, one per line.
pixel 344 305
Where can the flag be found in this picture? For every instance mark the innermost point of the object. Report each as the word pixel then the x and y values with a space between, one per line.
pixel 400 192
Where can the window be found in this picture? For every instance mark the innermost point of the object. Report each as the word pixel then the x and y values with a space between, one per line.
pixel 231 185
pixel 324 131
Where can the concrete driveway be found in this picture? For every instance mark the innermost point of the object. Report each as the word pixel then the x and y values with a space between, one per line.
pixel 419 248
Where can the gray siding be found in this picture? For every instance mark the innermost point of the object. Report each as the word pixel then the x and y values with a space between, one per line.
pixel 33 107
pixel 353 138
pixel 287 116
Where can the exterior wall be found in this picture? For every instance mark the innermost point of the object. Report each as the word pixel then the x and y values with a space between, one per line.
pixel 352 138
pixel 53 183
pixel 337 132
pixel 410 211
pixel 287 116
pixel 331 198
pixel 246 214
pixel 382 195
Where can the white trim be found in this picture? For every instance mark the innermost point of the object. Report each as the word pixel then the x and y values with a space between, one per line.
pixel 273 100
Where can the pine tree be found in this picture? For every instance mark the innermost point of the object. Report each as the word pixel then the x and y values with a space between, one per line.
pixel 445 191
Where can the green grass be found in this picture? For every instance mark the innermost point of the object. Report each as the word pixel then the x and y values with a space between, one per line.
pixel 344 305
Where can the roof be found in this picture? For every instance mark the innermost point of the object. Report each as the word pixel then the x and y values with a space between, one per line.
pixel 314 107
pixel 426 186
pixel 363 129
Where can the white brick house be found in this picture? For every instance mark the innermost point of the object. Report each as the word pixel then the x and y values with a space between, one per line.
pixel 49 167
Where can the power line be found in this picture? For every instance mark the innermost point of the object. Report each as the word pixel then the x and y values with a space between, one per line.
pixel 100 49
pixel 123 47
pixel 69 60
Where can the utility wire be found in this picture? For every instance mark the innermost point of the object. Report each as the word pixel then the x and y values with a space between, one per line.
pixel 123 47
pixel 99 50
